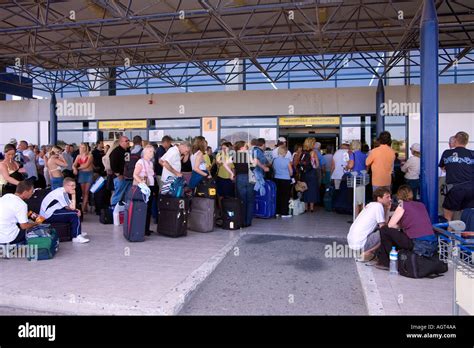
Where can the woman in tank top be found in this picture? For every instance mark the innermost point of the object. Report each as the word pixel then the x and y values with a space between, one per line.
pixel 7 168
pixel 83 168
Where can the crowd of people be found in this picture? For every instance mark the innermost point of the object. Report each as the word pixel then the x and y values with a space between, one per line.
pixel 239 170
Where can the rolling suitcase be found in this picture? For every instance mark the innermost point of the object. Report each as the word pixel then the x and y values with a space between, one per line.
pixel 173 216
pixel 328 198
pixel 342 202
pixel 265 206
pixel 232 216
pixel 202 214
pixel 135 216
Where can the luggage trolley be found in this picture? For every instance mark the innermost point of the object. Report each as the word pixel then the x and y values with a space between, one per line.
pixel 459 252
pixel 356 180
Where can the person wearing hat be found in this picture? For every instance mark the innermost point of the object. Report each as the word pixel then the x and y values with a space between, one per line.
pixel 281 142
pixel 411 168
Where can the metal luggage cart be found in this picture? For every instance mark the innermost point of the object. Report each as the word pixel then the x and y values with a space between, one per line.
pixel 459 252
pixel 357 180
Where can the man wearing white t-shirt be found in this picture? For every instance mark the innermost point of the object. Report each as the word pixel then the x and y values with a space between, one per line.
pixel 14 214
pixel 30 160
pixel 364 234
pixel 339 164
pixel 57 207
pixel 171 160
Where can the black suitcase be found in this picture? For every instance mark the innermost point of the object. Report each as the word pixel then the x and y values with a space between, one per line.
pixel 232 217
pixel 101 199
pixel 173 215
pixel 63 230
pixel 342 203
pixel 34 202
pixel 134 221
pixel 106 216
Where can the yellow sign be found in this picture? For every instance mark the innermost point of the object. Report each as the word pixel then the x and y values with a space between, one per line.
pixel 209 124
pixel 128 124
pixel 310 121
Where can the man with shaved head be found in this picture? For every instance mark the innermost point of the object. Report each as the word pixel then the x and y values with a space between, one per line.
pixel 117 163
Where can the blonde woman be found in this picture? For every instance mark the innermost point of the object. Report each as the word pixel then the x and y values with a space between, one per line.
pixel 198 163
pixel 56 163
pixel 145 174
pixel 307 165
pixel 8 167
pixel 83 167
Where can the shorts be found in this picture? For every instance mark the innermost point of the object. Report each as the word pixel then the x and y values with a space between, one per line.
pixel 56 183
pixel 459 197
pixel 85 178
pixel 372 241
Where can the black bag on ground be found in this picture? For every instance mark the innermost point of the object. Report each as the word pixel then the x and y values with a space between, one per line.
pixel 101 199
pixel 412 265
pixel 207 188
pixel 173 214
pixel 134 221
pixel 106 216
pixel 34 202
pixel 342 203
pixel 202 214
pixel 232 216
pixel 63 231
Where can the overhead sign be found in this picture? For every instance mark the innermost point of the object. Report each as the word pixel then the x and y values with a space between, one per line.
pixel 209 124
pixel 310 121
pixel 128 124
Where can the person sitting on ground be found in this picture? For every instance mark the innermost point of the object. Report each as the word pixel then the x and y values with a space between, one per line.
pixel 56 163
pixel 145 174
pixel 171 160
pixel 409 225
pixel 411 168
pixel 9 171
pixel 58 207
pixel 364 234
pixel 459 166
pixel 14 214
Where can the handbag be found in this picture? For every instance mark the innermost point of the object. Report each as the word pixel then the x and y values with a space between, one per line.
pixel 301 186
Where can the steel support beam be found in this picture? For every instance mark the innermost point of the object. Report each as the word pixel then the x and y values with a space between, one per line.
pixel 53 121
pixel 429 109
pixel 379 100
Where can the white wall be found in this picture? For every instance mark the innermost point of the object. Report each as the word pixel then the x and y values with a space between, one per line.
pixel 20 131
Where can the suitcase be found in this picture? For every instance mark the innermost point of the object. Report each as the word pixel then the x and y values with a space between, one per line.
pixel 63 231
pixel 106 216
pixel 342 202
pixel 202 214
pixel 101 199
pixel 265 206
pixel 34 202
pixel 207 188
pixel 232 214
pixel 412 265
pixel 135 216
pixel 328 198
pixel 173 214
pixel 44 240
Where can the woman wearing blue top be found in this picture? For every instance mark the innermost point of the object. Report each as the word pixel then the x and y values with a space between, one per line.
pixel 283 169
pixel 357 164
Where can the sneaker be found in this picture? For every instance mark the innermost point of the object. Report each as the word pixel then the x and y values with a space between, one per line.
pixel 286 216
pixel 80 239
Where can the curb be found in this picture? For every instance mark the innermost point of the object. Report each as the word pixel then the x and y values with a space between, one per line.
pixel 370 289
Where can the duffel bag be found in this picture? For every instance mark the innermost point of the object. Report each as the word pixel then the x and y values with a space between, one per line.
pixel 412 265
pixel 44 240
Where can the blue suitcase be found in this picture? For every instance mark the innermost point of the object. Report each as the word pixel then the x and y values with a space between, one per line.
pixel 265 206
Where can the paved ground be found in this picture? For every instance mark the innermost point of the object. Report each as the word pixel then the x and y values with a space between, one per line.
pixel 112 276
pixel 277 275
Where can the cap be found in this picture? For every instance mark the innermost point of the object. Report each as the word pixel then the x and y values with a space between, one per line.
pixel 282 139
pixel 13 141
pixel 416 147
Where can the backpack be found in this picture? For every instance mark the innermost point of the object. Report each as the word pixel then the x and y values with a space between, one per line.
pixel 130 164
pixel 304 164
pixel 412 265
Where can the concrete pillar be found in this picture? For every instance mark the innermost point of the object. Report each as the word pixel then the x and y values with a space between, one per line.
pixel 429 108
pixel 379 100
pixel 234 70
pixel 53 121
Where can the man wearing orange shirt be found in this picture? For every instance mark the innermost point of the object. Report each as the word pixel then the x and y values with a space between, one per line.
pixel 380 160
